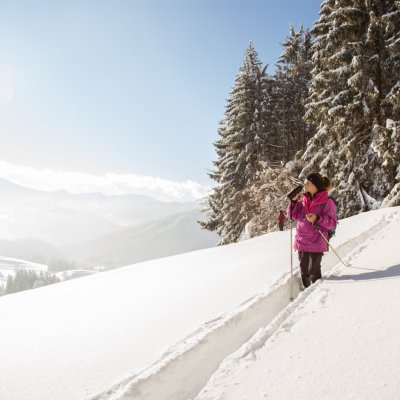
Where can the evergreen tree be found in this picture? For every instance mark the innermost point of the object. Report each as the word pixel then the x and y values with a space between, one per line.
pixel 384 39
pixel 337 97
pixel 10 286
pixel 27 279
pixel 242 146
pixel 347 97
pixel 287 135
pixel 268 196
pixel 292 79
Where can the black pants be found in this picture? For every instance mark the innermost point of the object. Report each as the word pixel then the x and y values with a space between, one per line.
pixel 310 266
pixel 281 224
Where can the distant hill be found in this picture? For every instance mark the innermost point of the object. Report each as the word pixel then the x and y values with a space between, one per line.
pixel 63 218
pixel 67 231
pixel 33 250
pixel 175 234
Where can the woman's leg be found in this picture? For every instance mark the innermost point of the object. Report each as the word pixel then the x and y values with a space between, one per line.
pixel 315 271
pixel 305 268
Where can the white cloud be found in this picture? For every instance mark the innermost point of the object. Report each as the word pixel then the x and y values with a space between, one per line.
pixel 109 183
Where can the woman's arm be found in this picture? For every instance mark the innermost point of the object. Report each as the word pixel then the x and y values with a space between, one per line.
pixel 328 219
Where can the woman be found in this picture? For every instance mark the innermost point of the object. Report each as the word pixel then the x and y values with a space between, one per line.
pixel 315 214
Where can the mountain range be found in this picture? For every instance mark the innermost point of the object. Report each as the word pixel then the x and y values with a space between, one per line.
pixel 95 229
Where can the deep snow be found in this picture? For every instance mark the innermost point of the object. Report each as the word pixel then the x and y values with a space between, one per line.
pixel 160 329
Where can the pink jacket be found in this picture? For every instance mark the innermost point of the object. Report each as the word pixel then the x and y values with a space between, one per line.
pixel 307 237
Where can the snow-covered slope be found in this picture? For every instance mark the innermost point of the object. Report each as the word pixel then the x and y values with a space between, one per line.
pixel 9 263
pixel 338 340
pixel 74 274
pixel 160 329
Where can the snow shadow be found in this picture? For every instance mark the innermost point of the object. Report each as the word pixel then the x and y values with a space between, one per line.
pixel 390 272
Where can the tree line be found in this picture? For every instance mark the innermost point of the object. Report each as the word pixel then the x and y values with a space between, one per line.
pixel 332 106
pixel 27 279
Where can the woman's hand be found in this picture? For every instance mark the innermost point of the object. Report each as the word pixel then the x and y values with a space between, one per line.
pixel 295 198
pixel 311 217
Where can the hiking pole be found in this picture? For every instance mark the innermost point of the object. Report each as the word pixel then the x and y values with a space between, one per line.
pixel 293 194
pixel 290 196
pixel 330 246
pixel 291 256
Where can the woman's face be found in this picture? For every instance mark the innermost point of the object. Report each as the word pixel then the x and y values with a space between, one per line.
pixel 310 187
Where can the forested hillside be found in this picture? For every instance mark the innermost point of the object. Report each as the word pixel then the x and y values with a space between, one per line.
pixel 332 106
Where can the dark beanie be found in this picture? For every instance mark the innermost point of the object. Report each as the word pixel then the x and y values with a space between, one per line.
pixel 318 180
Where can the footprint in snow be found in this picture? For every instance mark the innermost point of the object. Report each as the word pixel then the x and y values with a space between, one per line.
pixel 323 295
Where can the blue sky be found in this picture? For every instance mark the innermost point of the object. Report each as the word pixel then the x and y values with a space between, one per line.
pixel 128 87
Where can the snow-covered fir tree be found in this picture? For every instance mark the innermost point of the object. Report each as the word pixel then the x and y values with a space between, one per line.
pixel 384 39
pixel 288 133
pixel 242 146
pixel 342 107
pixel 349 101
pixel 292 79
pixel 269 196
pixel 27 279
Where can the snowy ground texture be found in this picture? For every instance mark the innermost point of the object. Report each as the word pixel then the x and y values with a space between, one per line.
pixel 215 324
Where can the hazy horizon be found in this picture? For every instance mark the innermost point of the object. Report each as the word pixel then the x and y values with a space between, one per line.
pixel 111 184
